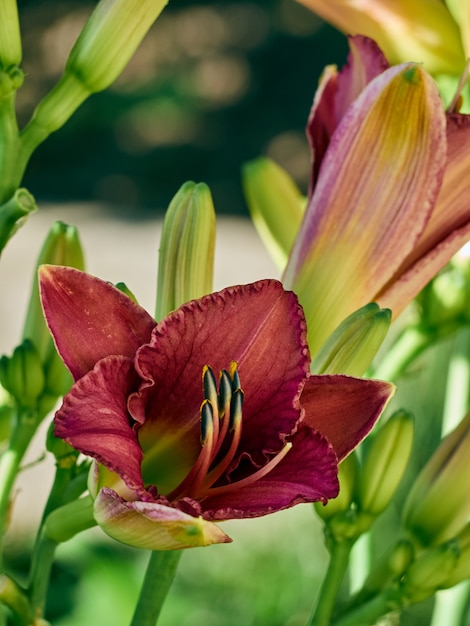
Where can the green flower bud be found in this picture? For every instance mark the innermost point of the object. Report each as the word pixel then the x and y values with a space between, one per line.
pixel 401 557
pixel 438 505
pixel 125 289
pixel 65 455
pixel 351 348
pixel 109 39
pixel 13 214
pixel 461 570
pixel 276 206
pixel 186 259
pixel 22 374
pixel 444 301
pixel 385 462
pixel 430 571
pixel 10 36
pixel 348 473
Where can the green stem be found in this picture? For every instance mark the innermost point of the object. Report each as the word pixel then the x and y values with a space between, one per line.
pixel 159 576
pixel 61 525
pixel 9 147
pixel 10 460
pixel 409 345
pixel 339 559
pixel 370 612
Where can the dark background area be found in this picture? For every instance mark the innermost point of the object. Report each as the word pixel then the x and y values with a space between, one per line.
pixel 214 84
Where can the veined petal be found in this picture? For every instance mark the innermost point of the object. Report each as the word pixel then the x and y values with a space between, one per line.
pixel 406 30
pixel 94 420
pixel 89 318
pixel 336 92
pixel 448 228
pixel 377 188
pixel 344 409
pixel 308 473
pixel 262 328
pixel 153 526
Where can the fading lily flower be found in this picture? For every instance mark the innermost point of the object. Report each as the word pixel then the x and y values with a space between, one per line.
pixel 202 416
pixel 425 31
pixel 389 191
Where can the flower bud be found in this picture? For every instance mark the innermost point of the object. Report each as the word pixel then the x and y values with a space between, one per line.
pixel 461 570
pixel 65 455
pixel 348 473
pixel 125 289
pixel 14 213
pixel 385 463
pixel 186 259
pixel 276 206
pixel 444 301
pixel 10 36
pixel 22 374
pixel 438 505
pixel 430 571
pixel 109 39
pixel 351 348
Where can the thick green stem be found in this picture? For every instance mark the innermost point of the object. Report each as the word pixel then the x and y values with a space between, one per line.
pixel 159 576
pixel 370 612
pixel 10 462
pixel 9 147
pixel 339 559
pixel 40 573
pixel 409 345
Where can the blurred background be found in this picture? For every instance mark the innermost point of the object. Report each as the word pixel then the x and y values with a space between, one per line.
pixel 214 84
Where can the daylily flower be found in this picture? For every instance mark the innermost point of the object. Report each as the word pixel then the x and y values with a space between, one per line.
pixel 389 196
pixel 425 31
pixel 173 452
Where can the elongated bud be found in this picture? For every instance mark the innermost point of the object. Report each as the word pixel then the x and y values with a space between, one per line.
pixel 348 474
pixel 438 505
pixel 103 49
pixel 351 348
pixel 10 36
pixel 13 214
pixel 125 289
pixel 276 206
pixel 61 247
pixel 186 259
pixel 430 571
pixel 110 38
pixel 385 463
pixel 22 374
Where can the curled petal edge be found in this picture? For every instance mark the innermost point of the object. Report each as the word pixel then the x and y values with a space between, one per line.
pixel 153 526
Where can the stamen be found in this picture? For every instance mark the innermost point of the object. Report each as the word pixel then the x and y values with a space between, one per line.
pixel 234 375
pixel 235 424
pixel 204 460
pixel 217 491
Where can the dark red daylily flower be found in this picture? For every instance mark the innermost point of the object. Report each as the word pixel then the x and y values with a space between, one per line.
pixel 208 415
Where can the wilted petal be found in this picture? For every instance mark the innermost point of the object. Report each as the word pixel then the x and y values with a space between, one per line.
pixel 93 418
pixel 344 409
pixel 89 318
pixel 260 326
pixel 308 473
pixel 153 526
pixel 378 184
pixel 406 30
pixel 449 226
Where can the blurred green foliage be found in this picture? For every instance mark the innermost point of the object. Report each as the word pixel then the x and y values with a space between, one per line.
pixel 213 85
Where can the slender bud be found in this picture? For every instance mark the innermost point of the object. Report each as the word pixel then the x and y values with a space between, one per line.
pixel 430 571
pixel 22 374
pixel 348 473
pixel 385 463
pixel 351 348
pixel 125 289
pixel 13 214
pixel 438 505
pixel 461 570
pixel 109 39
pixel 10 36
pixel 276 206
pixel 186 259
